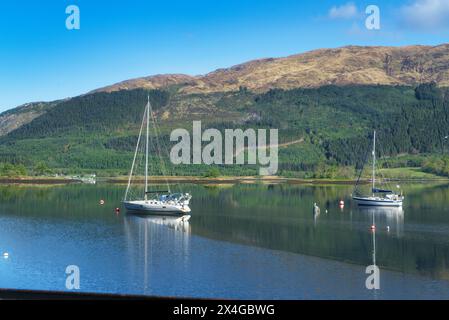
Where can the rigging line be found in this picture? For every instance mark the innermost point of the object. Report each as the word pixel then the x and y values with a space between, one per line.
pixel 136 188
pixel 134 158
pixel 146 148
pixel 361 171
pixel 138 165
pixel 158 149
pixel 167 153
pixel 163 149
pixel 384 162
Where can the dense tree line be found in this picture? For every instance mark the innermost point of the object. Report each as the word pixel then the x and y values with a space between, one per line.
pixel 99 131
pixel 98 112
pixel 343 118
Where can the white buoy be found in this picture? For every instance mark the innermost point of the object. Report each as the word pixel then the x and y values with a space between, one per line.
pixel 6 255
pixel 388 228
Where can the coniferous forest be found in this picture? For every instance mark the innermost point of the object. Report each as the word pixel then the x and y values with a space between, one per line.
pixel 332 127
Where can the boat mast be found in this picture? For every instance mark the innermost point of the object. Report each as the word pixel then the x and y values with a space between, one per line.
pixel 374 161
pixel 146 149
pixel 134 159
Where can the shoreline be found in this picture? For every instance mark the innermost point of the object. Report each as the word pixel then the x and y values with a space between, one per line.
pixel 36 180
pixel 231 179
pixel 204 180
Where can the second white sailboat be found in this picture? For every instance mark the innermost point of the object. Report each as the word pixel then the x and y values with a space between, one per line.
pixel 379 197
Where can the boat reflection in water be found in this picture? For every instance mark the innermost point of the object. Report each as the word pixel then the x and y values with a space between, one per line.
pixel 148 236
pixel 177 223
pixel 390 219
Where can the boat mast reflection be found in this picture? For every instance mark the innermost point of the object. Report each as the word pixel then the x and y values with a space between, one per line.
pixel 373 231
pixel 390 219
pixel 148 235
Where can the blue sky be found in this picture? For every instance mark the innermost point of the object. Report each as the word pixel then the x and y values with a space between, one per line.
pixel 40 60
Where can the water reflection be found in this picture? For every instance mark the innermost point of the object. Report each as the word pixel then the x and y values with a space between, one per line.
pixel 315 218
pixel 146 235
pixel 177 223
pixel 390 219
pixel 276 217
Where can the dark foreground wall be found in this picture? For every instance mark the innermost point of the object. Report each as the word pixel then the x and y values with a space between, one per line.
pixel 60 295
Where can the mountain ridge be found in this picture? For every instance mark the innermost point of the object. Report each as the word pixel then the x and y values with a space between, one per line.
pixel 348 65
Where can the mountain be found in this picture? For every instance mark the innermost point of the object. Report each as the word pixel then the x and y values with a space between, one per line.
pixel 355 65
pixel 325 104
pixel 351 65
pixel 153 82
pixel 17 117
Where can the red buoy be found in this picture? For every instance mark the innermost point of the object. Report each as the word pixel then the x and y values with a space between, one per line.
pixel 117 210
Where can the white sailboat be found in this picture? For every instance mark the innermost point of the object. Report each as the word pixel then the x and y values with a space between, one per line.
pixel 163 202
pixel 379 197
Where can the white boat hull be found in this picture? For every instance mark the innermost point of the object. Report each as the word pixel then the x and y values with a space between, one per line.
pixel 156 207
pixel 377 202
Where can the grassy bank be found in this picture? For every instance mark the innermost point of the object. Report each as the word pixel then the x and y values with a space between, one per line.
pixel 399 174
pixel 409 174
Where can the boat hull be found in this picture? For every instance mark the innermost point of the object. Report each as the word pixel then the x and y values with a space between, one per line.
pixel 377 202
pixel 156 208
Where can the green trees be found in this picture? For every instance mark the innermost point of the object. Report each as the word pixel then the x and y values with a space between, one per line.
pixel 99 131
pixel 41 169
pixel 212 173
pixel 437 165
pixel 99 112
pixel 428 91
pixel 11 170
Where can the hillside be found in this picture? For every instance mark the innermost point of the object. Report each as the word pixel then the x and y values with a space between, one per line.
pixel 17 117
pixel 354 65
pixel 326 101
pixel 98 132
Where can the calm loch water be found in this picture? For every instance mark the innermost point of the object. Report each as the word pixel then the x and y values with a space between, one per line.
pixel 243 241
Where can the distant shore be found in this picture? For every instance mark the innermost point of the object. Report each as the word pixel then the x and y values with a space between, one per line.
pixel 230 179
pixel 254 179
pixel 200 180
pixel 37 180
